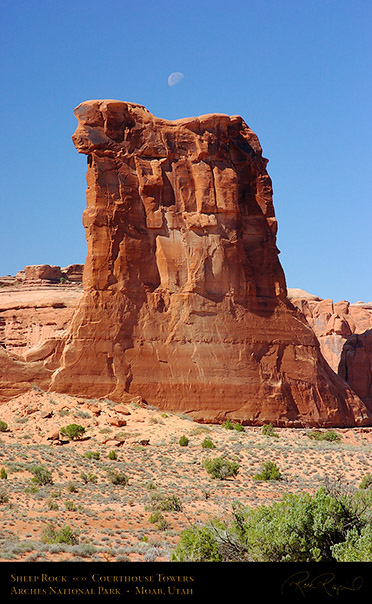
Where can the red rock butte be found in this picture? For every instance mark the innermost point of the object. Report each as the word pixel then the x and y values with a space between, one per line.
pixel 184 298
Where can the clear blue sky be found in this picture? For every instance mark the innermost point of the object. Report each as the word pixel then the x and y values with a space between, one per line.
pixel 297 71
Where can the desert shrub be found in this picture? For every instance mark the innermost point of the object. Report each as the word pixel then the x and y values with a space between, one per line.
pixel 158 519
pixel 366 482
pixel 357 546
pixel 221 468
pixel 92 455
pixel 3 496
pixel 112 455
pixel 300 528
pixel 117 478
pixel 3 473
pixel 269 471
pixel 52 504
pixel 72 487
pixel 268 430
pixel 3 426
pixel 70 506
pixel 229 425
pixel 64 535
pixel 208 444
pixel 329 435
pixel 88 478
pixel 165 504
pixel 197 544
pixel 73 431
pixel 183 441
pixel 42 475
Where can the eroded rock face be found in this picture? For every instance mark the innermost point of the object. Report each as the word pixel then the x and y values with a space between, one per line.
pixel 185 298
pixel 33 323
pixel 344 332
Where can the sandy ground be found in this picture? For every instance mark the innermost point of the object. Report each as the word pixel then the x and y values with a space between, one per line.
pixel 116 521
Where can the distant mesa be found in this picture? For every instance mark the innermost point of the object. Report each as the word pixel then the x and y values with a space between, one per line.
pixel 185 301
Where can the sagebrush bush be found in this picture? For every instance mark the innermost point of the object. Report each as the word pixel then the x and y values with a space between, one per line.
pixel 158 519
pixel 270 471
pixel 329 435
pixel 197 544
pixel 88 477
pixel 331 525
pixel 117 478
pixel 208 444
pixel 170 503
pixel 3 496
pixel 183 441
pixel 73 431
pixel 64 535
pixel 221 468
pixel 112 455
pixel 366 482
pixel 42 475
pixel 268 430
pixel 3 426
pixel 229 425
pixel 92 455
pixel 3 473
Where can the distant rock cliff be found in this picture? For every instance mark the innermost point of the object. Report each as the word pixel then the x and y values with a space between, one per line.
pixel 344 332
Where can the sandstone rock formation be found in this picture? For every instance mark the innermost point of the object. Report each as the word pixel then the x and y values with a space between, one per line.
pixel 185 298
pixel 344 332
pixel 34 316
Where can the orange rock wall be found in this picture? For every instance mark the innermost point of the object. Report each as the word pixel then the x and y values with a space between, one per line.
pixel 344 332
pixel 185 298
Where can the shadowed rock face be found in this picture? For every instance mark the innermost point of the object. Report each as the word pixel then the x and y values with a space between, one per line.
pixel 185 298
pixel 344 332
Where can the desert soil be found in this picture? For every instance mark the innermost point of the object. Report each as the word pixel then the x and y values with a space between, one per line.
pixel 115 522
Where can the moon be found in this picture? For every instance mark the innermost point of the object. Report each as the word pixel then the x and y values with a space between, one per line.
pixel 175 78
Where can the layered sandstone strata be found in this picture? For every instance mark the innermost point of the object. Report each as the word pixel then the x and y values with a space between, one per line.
pixel 33 323
pixel 185 298
pixel 344 332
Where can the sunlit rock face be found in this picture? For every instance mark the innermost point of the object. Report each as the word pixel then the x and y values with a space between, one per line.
pixel 185 298
pixel 344 332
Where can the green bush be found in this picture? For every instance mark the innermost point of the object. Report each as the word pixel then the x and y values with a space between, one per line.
pixel 197 544
pixel 3 426
pixel 3 473
pixel 112 455
pixel 268 430
pixel 3 496
pixel 88 478
pixel 208 444
pixel 270 471
pixel 331 525
pixel 366 482
pixel 117 478
pixel 165 504
pixel 52 505
pixel 221 468
pixel 42 475
pixel 64 535
pixel 183 441
pixel 329 435
pixel 229 425
pixel 158 519
pixel 70 506
pixel 73 431
pixel 92 455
